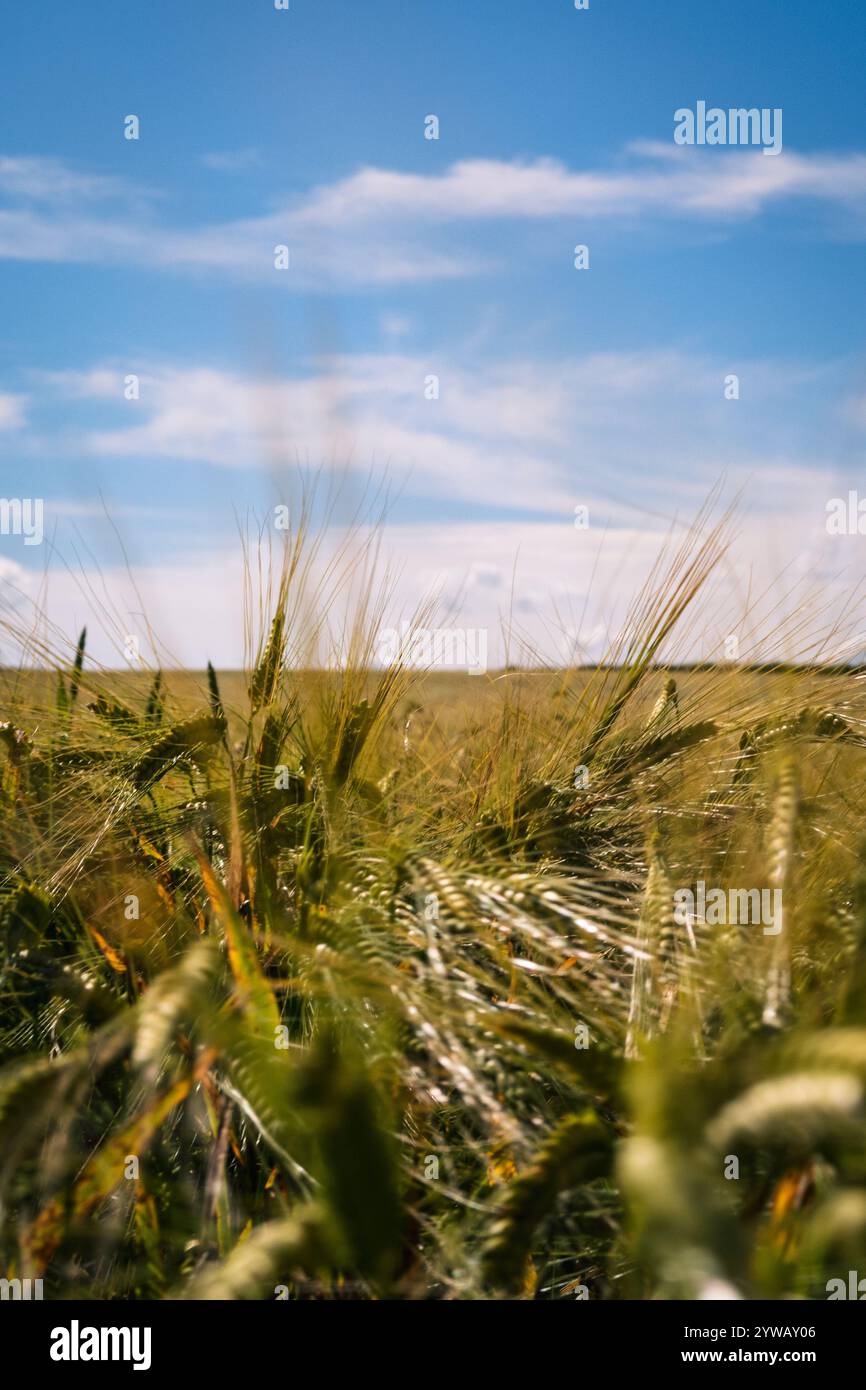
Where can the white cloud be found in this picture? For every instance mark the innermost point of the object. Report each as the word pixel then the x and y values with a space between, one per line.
pixel 232 161
pixel 662 179
pixel 638 438
pixel 381 226
pixel 622 432
pixel 43 180
pixel 12 408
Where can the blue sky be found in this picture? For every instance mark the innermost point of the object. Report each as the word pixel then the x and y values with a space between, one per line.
pixel 411 257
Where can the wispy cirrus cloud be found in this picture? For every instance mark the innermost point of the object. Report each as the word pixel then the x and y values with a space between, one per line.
pixel 656 178
pixel 232 161
pixel 53 213
pixel 37 179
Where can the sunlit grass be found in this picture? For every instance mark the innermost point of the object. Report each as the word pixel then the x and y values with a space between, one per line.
pixel 325 980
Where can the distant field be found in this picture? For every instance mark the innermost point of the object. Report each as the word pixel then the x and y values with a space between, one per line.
pixel 453 695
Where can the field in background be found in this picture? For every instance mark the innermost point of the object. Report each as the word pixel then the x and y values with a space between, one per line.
pixel 450 699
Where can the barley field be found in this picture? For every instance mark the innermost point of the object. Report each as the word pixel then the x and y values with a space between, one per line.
pixel 363 983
